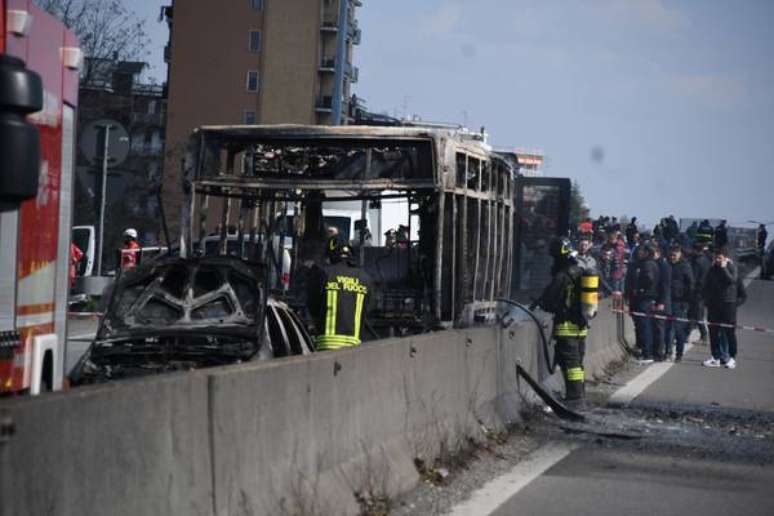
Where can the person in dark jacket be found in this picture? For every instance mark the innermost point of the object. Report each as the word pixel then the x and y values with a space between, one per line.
pixel 671 229
pixel 681 290
pixel 641 292
pixel 721 235
pixel 720 294
pixel 663 305
pixel 338 301
pixel 700 264
pixel 658 232
pixel 631 230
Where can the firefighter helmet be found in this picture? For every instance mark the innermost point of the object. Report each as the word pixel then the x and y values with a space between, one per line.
pixel 130 232
pixel 562 248
pixel 338 250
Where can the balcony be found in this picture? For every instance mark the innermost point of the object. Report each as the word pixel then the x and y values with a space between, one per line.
pixel 328 64
pixel 324 104
pixel 352 27
pixel 357 36
pixel 329 25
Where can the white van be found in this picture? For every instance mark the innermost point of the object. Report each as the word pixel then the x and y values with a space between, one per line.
pixel 85 238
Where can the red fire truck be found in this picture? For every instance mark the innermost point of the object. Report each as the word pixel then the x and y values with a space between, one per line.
pixel 39 61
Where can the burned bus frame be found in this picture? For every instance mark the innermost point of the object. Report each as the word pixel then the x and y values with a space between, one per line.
pixel 463 193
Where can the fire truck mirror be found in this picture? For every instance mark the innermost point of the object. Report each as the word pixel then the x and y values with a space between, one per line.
pixel 21 93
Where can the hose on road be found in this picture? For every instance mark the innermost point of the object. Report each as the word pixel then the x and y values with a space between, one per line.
pixel 550 364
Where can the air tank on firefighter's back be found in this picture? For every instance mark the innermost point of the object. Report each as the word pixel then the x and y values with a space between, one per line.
pixel 589 294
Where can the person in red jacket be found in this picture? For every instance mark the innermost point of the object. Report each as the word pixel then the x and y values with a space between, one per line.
pixel 76 255
pixel 130 252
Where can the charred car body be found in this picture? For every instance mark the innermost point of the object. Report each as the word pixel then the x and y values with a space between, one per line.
pixel 188 313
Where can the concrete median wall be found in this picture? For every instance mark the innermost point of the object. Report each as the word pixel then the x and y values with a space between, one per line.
pixel 292 436
pixel 141 447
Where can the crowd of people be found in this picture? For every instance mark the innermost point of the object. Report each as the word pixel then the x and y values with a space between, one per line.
pixel 668 276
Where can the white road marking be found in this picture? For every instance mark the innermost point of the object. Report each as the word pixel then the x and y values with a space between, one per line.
pixel 756 272
pixel 642 381
pixel 498 491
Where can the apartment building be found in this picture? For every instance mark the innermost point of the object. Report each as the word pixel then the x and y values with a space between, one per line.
pixel 256 62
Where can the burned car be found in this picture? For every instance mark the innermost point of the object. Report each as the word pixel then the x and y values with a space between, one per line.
pixel 177 314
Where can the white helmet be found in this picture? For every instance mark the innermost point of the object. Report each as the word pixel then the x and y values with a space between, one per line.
pixel 130 232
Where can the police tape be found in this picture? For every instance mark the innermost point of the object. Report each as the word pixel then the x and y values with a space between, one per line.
pixel 664 317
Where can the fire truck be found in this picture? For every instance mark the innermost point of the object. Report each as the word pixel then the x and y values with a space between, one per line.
pixel 39 63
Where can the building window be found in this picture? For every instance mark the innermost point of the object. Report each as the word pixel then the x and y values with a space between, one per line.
pixel 256 4
pixel 255 41
pixel 249 117
pixel 252 80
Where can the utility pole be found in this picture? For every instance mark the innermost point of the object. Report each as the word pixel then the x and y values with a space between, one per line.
pixel 105 154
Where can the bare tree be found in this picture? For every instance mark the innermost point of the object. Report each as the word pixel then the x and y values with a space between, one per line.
pixel 107 30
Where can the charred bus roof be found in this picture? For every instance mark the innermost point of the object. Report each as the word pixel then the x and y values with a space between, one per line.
pixel 379 158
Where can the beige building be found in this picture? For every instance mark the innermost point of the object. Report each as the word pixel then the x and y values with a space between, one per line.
pixel 255 61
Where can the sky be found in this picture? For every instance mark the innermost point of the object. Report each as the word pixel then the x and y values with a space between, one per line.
pixel 654 107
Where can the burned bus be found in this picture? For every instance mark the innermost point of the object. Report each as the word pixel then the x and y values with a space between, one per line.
pixel 430 213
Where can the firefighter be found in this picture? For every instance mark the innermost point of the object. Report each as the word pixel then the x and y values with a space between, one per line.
pixel 130 252
pixel 705 234
pixel 337 297
pixel 562 297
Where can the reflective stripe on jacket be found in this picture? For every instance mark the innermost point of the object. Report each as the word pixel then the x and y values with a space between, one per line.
pixel 570 329
pixel 338 300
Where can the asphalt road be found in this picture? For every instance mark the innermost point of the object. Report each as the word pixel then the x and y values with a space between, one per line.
pixel 704 442
pixel 603 482
pixel 748 387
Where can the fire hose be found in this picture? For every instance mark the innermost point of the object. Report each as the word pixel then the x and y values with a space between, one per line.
pixel 559 409
pixel 550 364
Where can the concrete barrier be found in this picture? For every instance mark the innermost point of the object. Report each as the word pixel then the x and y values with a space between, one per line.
pixel 316 430
pixel 291 436
pixel 140 447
